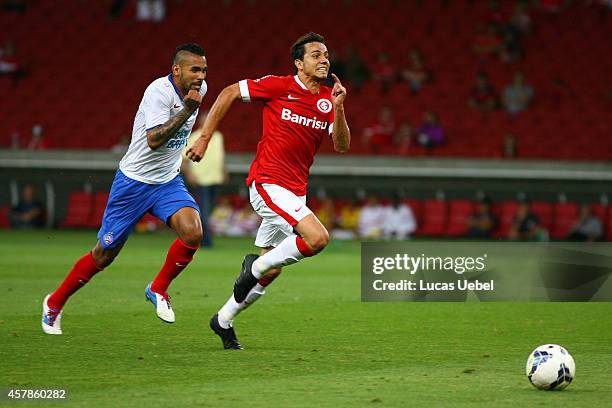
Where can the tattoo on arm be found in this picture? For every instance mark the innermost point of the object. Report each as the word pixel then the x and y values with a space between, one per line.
pixel 158 136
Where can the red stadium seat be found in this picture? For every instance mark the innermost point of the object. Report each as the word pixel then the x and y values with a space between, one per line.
pixel 544 211
pixel 417 210
pixel 608 224
pixel 100 200
pixel 4 221
pixel 80 207
pixel 458 213
pixel 443 30
pixel 566 215
pixel 435 217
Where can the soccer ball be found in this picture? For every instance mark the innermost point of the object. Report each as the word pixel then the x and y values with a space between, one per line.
pixel 550 367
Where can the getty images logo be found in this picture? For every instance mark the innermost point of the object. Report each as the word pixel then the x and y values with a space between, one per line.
pixel 287 114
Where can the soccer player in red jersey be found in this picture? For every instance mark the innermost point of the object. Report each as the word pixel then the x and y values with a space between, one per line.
pixel 299 111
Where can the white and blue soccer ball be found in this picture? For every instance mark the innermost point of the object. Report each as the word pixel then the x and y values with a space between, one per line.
pixel 550 367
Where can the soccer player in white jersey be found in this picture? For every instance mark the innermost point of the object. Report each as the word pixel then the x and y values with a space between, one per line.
pixel 299 112
pixel 148 181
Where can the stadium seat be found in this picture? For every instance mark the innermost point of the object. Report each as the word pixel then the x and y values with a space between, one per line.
pixel 443 30
pixel 99 205
pixel 544 211
pixel 435 217
pixel 608 224
pixel 80 207
pixel 458 213
pixel 4 221
pixel 417 210
pixel 566 215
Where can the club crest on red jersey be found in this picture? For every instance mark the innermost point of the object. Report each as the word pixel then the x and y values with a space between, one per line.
pixel 324 105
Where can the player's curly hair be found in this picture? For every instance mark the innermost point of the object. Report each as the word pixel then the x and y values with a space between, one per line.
pixel 297 49
pixel 189 47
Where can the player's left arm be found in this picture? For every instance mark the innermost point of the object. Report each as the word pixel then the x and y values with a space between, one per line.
pixel 222 104
pixel 341 135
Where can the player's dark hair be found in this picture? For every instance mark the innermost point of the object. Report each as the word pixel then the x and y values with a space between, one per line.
pixel 189 47
pixel 297 49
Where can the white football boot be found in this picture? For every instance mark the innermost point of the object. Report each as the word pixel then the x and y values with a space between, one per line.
pixel 163 308
pixel 51 319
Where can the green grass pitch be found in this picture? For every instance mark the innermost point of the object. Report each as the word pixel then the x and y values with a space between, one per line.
pixel 309 342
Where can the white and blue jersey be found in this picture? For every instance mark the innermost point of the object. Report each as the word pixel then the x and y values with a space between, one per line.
pixel 148 180
pixel 161 101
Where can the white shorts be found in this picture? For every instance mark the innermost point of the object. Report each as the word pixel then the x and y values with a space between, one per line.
pixel 280 209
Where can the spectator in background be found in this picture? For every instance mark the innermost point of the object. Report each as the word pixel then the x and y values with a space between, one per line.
pixel 355 69
pixel 348 221
pixel 416 73
pixel 588 227
pixel 151 10
pixel 526 225
pixel 326 213
pixel 431 132
pixel 15 139
pixel 488 40
pixel 520 19
pixel 379 136
pixel 38 140
pixel 116 8
pixel 371 219
pixel 483 97
pixel 220 220
pixel 495 14
pixel 122 145
pixel 403 138
pixel 244 222
pixel 510 50
pixel 29 212
pixel 206 176
pixel 384 72
pixel 518 95
pixel 399 221
pixel 482 223
pixel 10 65
pixel 509 147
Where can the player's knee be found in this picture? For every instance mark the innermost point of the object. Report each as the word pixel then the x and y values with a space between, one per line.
pixel 104 257
pixel 192 235
pixel 319 241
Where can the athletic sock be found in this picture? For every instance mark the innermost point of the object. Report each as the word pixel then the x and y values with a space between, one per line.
pixel 179 256
pixel 231 308
pixel 79 275
pixel 289 251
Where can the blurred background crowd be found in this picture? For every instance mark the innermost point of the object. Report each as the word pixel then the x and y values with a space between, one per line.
pixel 510 80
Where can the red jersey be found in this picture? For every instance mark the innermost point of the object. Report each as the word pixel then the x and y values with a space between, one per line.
pixel 295 122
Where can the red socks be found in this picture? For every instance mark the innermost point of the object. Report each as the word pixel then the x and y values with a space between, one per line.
pixel 79 275
pixel 303 247
pixel 179 256
pixel 266 280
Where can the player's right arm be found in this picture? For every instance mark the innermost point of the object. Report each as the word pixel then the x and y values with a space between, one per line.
pixel 158 136
pixel 217 112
